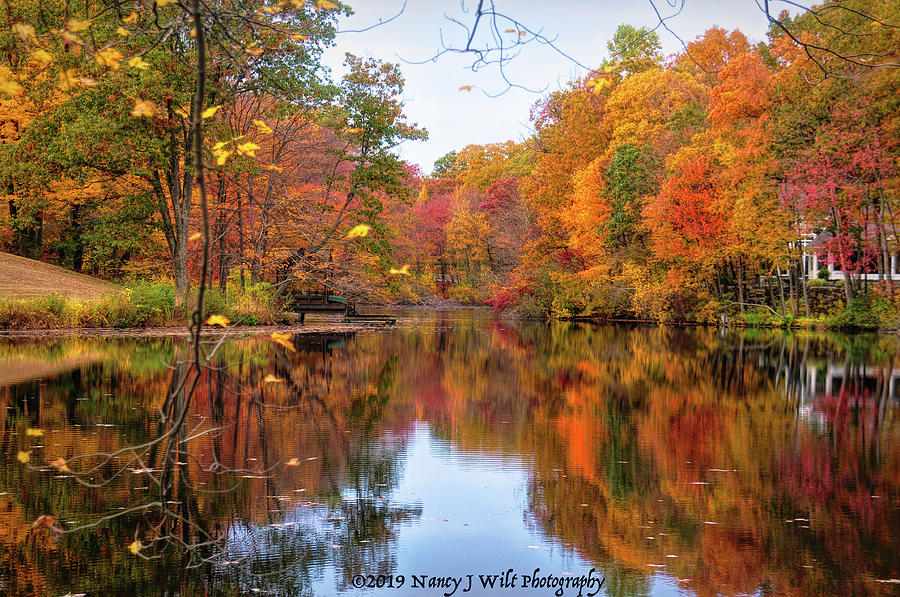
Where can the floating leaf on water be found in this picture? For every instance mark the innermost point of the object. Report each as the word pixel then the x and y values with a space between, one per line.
pixel 34 432
pixel 135 547
pixel 272 379
pixel 23 457
pixel 60 465
pixel 284 339
pixel 293 462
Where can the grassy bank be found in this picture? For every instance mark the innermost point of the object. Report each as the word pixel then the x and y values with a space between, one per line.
pixel 138 304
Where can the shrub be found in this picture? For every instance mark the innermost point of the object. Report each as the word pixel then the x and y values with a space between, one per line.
pixel 150 302
pixel 867 311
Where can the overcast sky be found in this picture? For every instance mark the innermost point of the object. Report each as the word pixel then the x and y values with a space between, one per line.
pixel 457 118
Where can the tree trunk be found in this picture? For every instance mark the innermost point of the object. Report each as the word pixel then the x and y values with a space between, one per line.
pixel 740 278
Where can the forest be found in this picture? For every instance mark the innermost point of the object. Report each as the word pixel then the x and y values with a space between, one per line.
pixel 752 182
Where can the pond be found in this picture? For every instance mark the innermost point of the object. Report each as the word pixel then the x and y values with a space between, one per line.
pixel 458 453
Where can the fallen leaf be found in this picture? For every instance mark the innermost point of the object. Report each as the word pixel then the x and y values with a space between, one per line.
pixel 131 19
pixel 360 230
pixel 10 87
pixel 110 58
pixel 165 2
pixel 24 31
pixel 75 25
pixel 123 31
pixel 67 79
pixel 42 57
pixel 138 62
pixel 219 320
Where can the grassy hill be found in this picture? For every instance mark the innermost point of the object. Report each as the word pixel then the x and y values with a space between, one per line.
pixel 22 278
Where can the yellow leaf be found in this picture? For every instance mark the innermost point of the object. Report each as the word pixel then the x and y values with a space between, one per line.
pixel 136 546
pixel 466 88
pixel 403 271
pixel 300 37
pixel 123 31
pixel 293 462
pixel 10 87
pixel 67 79
pixel 271 10
pixel 195 236
pixel 131 19
pixel 110 58
pixel 253 49
pixel 326 5
pixel 249 148
pixel 161 3
pixel 180 111
pixel 23 457
pixel 138 62
pixel 143 108
pixel 273 168
pixel 358 231
pixel 263 127
pixel 74 25
pixel 193 32
pixel 34 432
pixel 523 33
pixel 219 320
pixel 355 130
pixel 24 31
pixel 210 112
pixel 42 57
pixel 284 340
pixel 298 3
pixel 60 465
pixel 272 379
pixel 221 156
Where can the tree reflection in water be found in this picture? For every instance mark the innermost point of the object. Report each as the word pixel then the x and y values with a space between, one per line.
pixel 727 462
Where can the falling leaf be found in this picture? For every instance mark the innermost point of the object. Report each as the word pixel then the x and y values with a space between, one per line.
pixel 253 49
pixel 110 58
pixel 34 432
pixel 466 88
pixel 60 465
pixel 162 3
pixel 263 127
pixel 10 87
pixel 74 25
pixel 284 340
pixel 293 462
pixel 509 31
pixel 272 379
pixel 298 3
pixel 143 108
pixel 195 236
pixel 24 31
pixel 355 130
pixel 403 271
pixel 326 5
pixel 42 57
pixel 131 19
pixel 300 37
pixel 360 230
pixel 136 546
pixel 219 320
pixel 221 156
pixel 44 520
pixel 210 112
pixel 138 62
pixel 23 457
pixel 249 149
pixel 273 168
pixel 180 111
pixel 523 33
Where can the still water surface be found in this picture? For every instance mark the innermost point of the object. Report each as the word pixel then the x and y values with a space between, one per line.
pixel 666 461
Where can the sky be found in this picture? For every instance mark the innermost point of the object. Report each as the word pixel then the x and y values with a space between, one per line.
pixel 581 28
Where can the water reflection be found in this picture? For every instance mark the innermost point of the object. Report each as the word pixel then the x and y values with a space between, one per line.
pixel 669 459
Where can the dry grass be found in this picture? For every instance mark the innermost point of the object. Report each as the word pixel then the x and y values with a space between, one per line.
pixel 22 278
